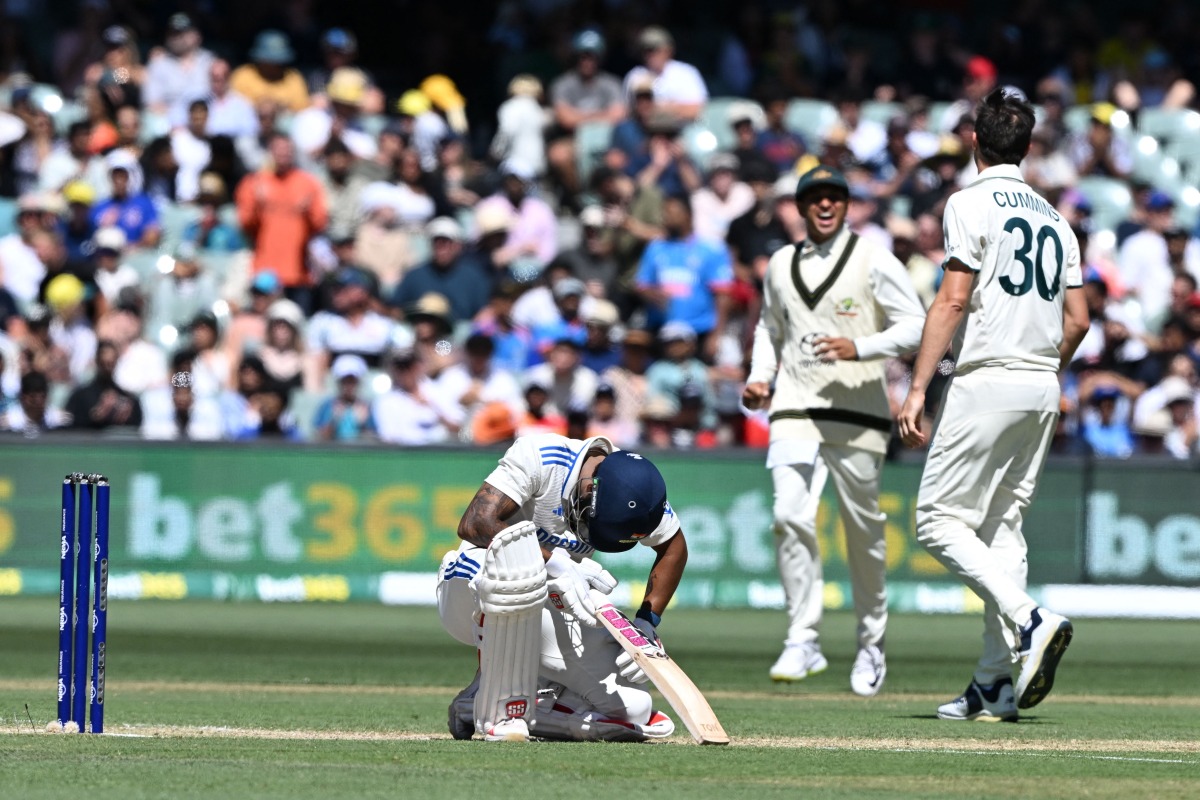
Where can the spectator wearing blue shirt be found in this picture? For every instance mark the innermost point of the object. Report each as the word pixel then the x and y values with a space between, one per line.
pixel 210 232
pixel 646 147
pixel 568 298
pixel 345 417
pixel 1106 431
pixel 132 212
pixel 686 279
pixel 599 350
pixel 451 272
pixel 679 373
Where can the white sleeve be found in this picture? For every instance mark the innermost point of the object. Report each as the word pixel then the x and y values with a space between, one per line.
pixel 961 244
pixel 768 333
pixel 895 294
pixel 1074 271
pixel 668 527
pixel 519 474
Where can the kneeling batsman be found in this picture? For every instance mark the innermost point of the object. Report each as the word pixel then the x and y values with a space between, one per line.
pixel 523 589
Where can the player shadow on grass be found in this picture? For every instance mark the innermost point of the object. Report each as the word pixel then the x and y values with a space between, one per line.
pixel 1019 721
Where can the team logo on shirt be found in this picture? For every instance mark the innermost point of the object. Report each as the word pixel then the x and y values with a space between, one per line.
pixel 846 307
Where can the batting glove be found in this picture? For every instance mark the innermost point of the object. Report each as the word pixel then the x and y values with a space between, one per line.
pixel 628 669
pixel 597 576
pixel 647 628
pixel 570 589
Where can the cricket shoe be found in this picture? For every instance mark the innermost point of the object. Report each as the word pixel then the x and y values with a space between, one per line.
pixel 1043 642
pixel 798 661
pixel 509 729
pixel 462 711
pixel 868 672
pixel 993 703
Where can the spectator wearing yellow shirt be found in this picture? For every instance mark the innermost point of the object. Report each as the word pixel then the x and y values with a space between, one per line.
pixel 269 77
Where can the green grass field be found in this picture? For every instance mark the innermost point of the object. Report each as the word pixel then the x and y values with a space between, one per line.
pixel 240 700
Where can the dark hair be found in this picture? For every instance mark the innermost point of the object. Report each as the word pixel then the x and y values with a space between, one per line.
pixel 480 344
pixel 34 382
pixel 1003 127
pixel 335 147
pixel 82 127
pixel 192 106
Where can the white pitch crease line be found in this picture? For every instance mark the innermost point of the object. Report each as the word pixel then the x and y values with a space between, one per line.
pixel 1007 753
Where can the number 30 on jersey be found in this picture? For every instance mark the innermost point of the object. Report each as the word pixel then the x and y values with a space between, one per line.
pixel 1034 270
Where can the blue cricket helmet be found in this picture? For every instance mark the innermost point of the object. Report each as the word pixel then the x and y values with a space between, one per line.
pixel 629 498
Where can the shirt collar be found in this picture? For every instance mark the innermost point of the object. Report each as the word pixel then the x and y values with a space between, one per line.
pixel 1006 171
pixel 826 248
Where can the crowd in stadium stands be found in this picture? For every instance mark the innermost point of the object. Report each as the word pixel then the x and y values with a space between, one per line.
pixel 246 246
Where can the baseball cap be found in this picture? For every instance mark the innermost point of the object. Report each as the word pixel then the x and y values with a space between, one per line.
pixel 115 36
pixel 109 238
pixel 178 23
pixel 1159 201
pixel 347 85
pixel 1176 390
pixel 588 41
pixel 592 217
pixel 1103 113
pixel 602 312
pixel 629 498
pixel 492 219
pixel 677 331
pixel 567 287
pixel 287 311
pixel 64 291
pixel 444 228
pixel 79 192
pixel 723 161
pixel 265 282
pixel 655 37
pixel 430 304
pixel 517 168
pixel 272 47
pixel 525 85
pixel 340 39
pixel 1105 393
pixel 980 68
pixel 353 276
pixel 414 103
pixel 818 176
pixel 348 365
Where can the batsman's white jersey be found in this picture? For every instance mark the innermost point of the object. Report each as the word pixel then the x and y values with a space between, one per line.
pixel 1001 408
pixel 536 472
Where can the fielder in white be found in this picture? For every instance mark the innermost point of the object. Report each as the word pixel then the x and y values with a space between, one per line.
pixel 520 588
pixel 1013 293
pixel 834 306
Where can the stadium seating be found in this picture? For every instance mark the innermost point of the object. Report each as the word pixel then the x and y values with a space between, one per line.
pixel 8 215
pixel 809 118
pixel 1110 198
pixel 591 140
pixel 881 112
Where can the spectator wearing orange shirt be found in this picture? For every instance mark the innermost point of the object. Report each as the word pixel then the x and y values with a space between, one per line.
pixel 280 208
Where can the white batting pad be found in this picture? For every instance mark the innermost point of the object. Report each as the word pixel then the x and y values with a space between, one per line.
pixel 511 592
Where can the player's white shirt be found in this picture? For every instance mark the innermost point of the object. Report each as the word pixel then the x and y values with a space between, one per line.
pixel 1025 256
pixel 677 83
pixel 534 473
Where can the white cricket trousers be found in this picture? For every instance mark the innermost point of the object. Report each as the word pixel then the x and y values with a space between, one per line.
pixel 797 496
pixel 580 658
pixel 992 438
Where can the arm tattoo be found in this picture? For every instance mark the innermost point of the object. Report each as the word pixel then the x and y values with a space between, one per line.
pixel 486 515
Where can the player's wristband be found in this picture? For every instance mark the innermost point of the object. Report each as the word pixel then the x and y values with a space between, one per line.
pixel 648 615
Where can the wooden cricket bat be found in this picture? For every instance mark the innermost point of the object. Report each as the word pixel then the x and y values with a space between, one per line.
pixel 667 676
